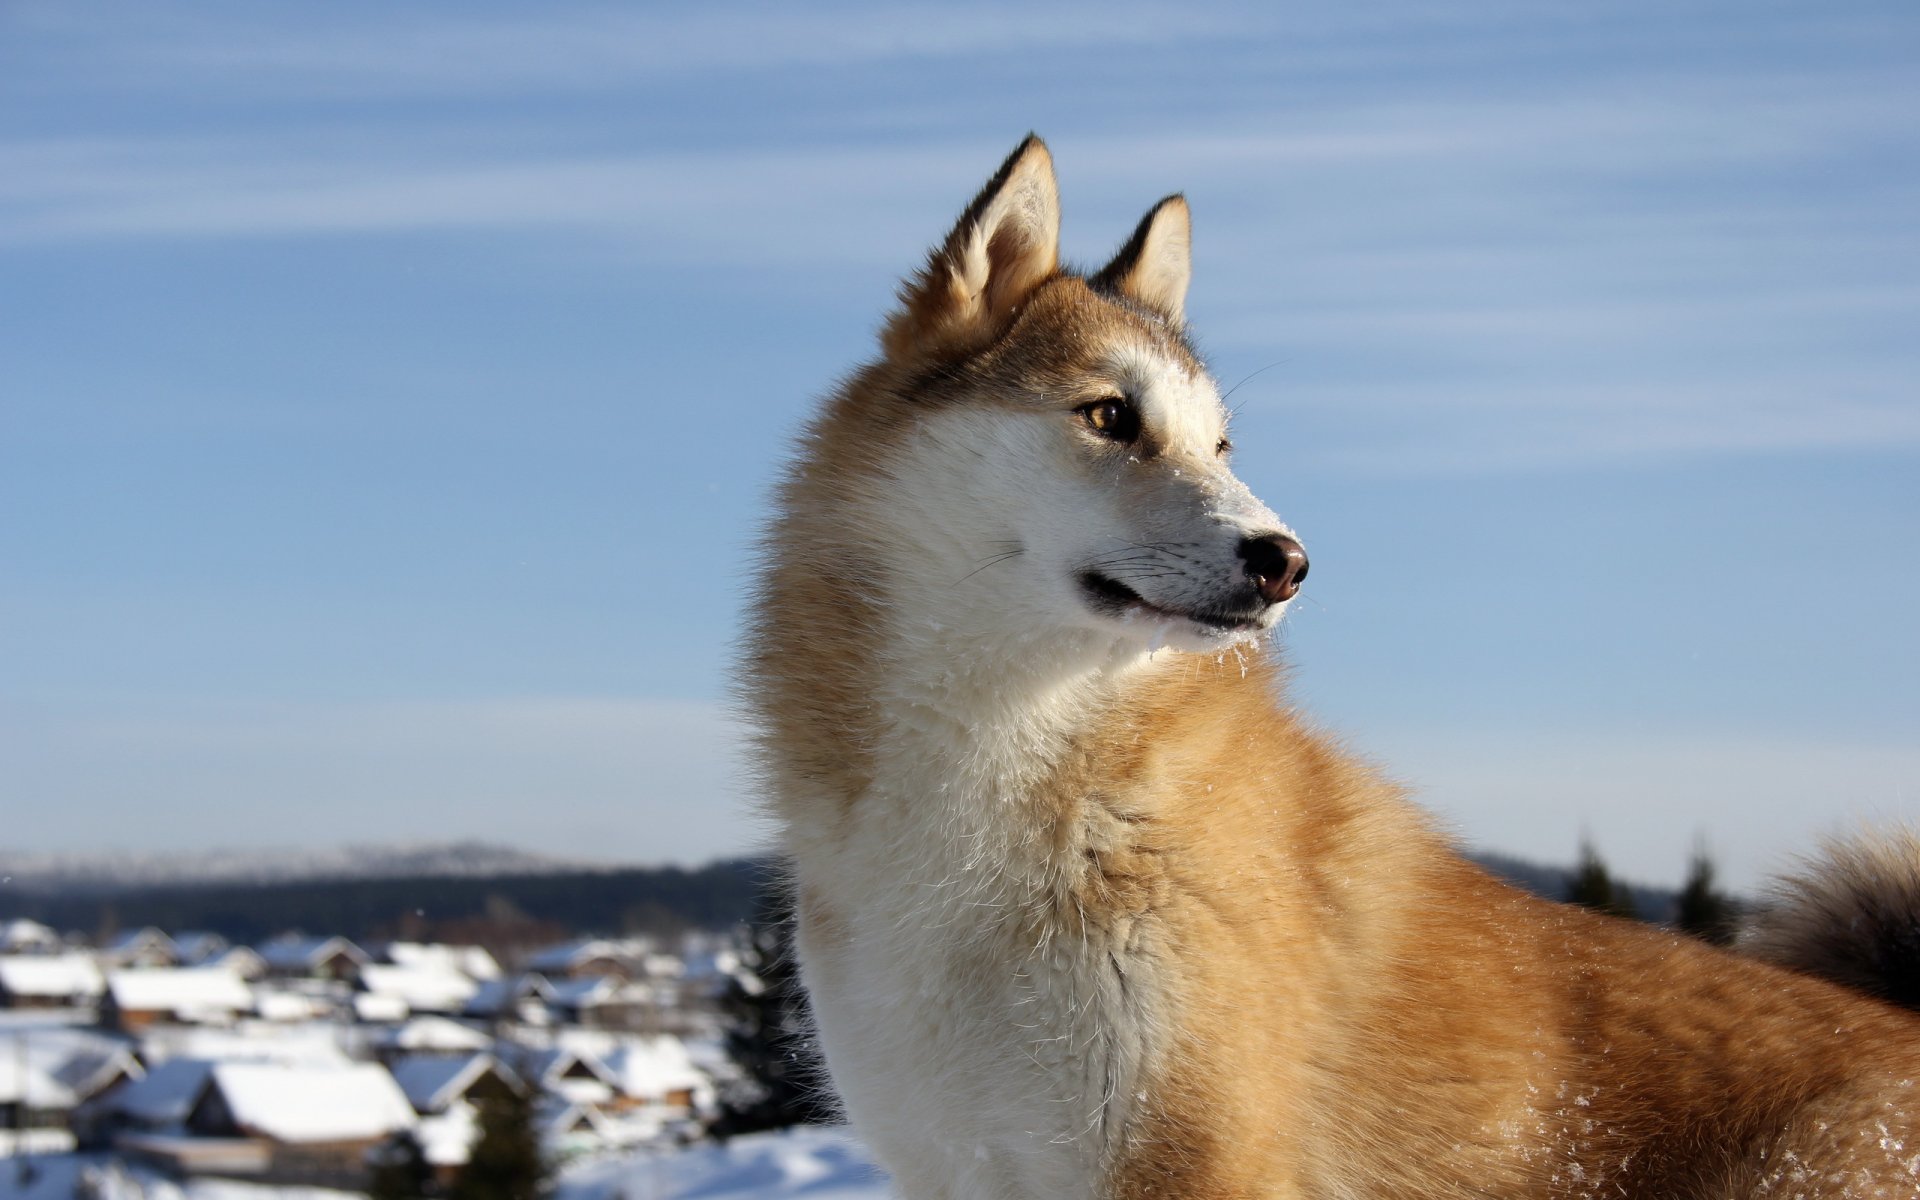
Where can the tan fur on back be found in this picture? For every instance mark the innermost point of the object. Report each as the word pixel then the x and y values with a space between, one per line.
pixel 1086 919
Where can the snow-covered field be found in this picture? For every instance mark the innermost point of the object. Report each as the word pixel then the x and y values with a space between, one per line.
pixel 818 1164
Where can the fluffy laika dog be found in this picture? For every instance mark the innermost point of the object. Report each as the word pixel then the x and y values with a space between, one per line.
pixel 1085 910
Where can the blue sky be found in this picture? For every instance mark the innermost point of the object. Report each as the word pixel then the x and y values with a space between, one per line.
pixel 389 395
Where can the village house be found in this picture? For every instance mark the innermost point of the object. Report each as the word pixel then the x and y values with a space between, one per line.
pixel 526 999
pixel 34 1108
pixel 446 1091
pixel 282 1123
pixel 243 961
pixel 657 1074
pixel 91 1072
pixel 590 958
pixel 429 1035
pixel 21 936
pixel 137 1000
pixel 433 1083
pixel 472 961
pixel 289 1007
pixel 419 988
pixel 157 1102
pixel 568 1129
pixel 67 980
pixel 573 1074
pixel 199 947
pixel 251 1040
pixel 147 947
pixel 605 1002
pixel 334 959
pixel 46 1077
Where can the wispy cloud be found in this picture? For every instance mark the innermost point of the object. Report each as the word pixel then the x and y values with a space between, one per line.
pixel 378 49
pixel 748 199
pixel 1579 429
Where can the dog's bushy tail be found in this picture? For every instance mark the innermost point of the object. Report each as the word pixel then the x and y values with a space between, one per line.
pixel 1851 915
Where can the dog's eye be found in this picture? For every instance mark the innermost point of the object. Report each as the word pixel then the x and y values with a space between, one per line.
pixel 1224 448
pixel 1113 418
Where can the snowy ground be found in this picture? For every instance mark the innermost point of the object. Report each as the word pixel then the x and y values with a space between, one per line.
pixel 61 1178
pixel 817 1164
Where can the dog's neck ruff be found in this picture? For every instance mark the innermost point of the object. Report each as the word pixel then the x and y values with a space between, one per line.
pixel 993 715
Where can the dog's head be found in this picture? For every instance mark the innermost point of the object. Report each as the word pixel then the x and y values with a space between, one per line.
pixel 1060 453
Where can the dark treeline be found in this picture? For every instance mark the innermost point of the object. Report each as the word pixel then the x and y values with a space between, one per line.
pixel 661 900
pixel 506 912
pixel 1559 883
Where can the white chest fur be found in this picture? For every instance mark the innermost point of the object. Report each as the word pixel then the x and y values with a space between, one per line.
pixel 989 1041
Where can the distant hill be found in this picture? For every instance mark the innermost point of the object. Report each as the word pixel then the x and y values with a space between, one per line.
pixel 63 873
pixel 504 912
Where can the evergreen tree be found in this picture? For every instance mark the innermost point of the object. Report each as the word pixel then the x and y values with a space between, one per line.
pixel 505 1162
pixel 768 1035
pixel 400 1170
pixel 1594 888
pixel 1704 911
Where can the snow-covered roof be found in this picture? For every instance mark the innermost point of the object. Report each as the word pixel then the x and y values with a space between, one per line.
pixel 554 1061
pixel 86 1071
pixel 242 960
pixel 557 1118
pixel 290 1104
pixel 165 1095
pixel 272 1004
pixel 576 1074
pixel 380 1010
pixel 22 934
pixel 303 953
pixel 30 1083
pixel 471 961
pixel 433 1081
pixel 52 976
pixel 583 993
pixel 427 988
pixel 437 1034
pixel 135 940
pixel 199 946
pixel 565 956
pixel 561 956
pixel 498 995
pixel 651 1068
pixel 182 991
pixel 307 1042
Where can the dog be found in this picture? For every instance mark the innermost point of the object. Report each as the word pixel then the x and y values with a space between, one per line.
pixel 1085 910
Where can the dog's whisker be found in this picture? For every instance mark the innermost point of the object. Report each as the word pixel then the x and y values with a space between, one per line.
pixel 1235 410
pixel 993 561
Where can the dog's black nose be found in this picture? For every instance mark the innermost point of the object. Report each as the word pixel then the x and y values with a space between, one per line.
pixel 1276 564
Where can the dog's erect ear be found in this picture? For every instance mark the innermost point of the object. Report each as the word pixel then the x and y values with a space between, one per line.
pixel 1006 244
pixel 1156 264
